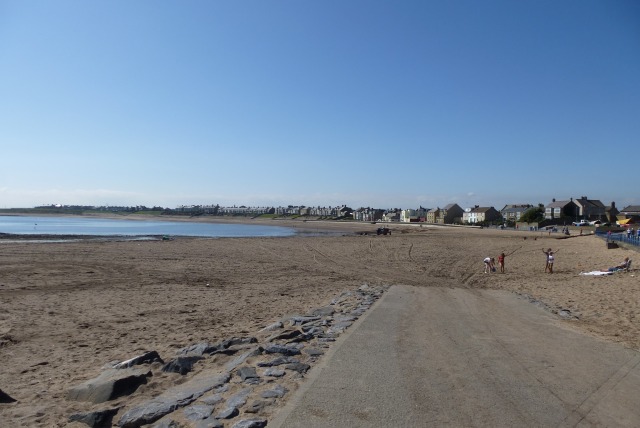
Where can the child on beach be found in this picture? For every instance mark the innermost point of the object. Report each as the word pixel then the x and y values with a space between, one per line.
pixel 489 265
pixel 550 259
pixel 501 262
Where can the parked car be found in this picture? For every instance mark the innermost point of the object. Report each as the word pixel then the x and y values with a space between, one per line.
pixel 580 223
pixel 595 223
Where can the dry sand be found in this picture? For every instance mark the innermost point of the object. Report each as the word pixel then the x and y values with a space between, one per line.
pixel 67 309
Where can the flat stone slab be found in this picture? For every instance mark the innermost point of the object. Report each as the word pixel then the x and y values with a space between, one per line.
pixel 198 412
pixel 277 391
pixel 241 358
pixel 112 383
pixel 182 365
pixel 172 399
pixel 281 349
pixel 97 419
pixel 251 423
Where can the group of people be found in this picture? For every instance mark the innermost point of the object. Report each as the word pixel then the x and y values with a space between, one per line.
pixel 631 234
pixel 489 262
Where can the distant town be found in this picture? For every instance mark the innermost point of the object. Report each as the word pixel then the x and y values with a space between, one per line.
pixel 572 211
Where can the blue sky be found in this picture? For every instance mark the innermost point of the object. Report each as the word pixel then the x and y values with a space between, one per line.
pixel 364 103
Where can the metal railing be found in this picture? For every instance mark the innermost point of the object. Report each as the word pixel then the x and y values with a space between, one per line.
pixel 632 239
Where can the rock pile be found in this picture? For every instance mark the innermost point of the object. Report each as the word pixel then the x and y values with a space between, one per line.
pixel 241 382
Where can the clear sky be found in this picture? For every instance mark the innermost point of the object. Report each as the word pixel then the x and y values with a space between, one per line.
pixel 365 103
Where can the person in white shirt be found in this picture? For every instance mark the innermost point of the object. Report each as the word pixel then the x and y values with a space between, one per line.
pixel 489 264
pixel 550 259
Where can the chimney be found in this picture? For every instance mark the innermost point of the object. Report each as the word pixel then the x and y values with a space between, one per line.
pixel 613 204
pixel 553 200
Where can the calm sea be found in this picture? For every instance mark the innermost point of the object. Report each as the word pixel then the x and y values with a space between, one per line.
pixel 27 225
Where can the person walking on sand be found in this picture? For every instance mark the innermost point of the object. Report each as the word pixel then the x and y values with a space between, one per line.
pixel 489 265
pixel 550 259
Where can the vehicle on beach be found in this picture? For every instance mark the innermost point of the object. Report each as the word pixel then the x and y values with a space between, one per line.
pixel 383 231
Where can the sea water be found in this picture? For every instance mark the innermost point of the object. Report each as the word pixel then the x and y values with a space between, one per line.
pixel 33 225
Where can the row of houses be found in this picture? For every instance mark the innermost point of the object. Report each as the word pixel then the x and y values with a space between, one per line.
pixel 559 211
pixel 291 210
pixel 565 211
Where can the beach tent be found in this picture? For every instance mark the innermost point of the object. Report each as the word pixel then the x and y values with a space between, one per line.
pixel 625 221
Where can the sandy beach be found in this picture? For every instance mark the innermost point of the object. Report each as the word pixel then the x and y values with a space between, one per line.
pixel 67 309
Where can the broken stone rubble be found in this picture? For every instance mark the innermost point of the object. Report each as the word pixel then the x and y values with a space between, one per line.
pixel 212 398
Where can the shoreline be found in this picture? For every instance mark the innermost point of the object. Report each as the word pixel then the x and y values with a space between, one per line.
pixel 308 228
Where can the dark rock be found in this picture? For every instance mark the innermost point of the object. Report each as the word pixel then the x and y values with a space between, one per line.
pixel 228 413
pixel 217 348
pixel 197 349
pixel 111 383
pixel 313 331
pixel 146 358
pixel 172 399
pixel 239 341
pixel 276 392
pixel 247 373
pixel 198 412
pixel 281 349
pixel 6 398
pixel 301 338
pixel 277 362
pixel 182 365
pixel 97 419
pixel 298 367
pixel 285 335
pixel 250 423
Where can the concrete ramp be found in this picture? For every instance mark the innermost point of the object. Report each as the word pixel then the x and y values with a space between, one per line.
pixel 431 356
